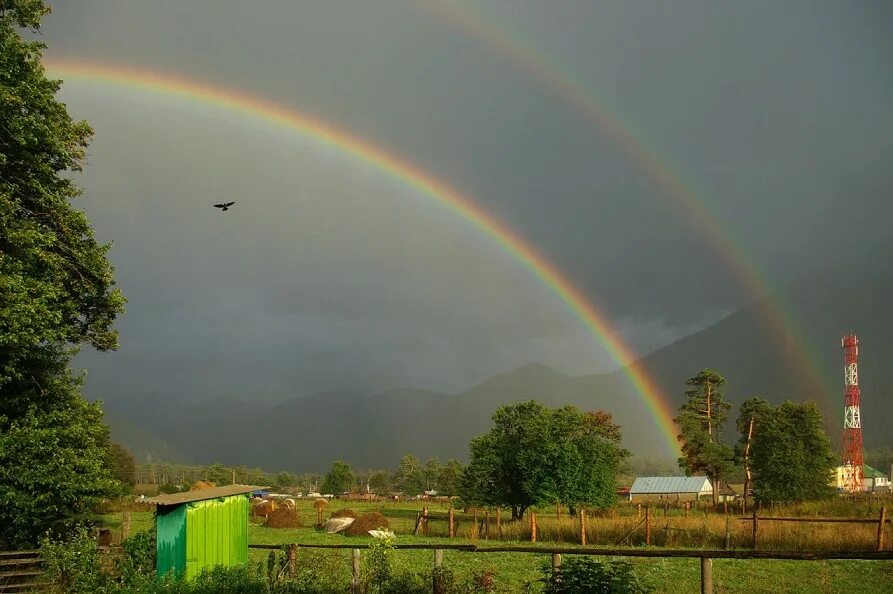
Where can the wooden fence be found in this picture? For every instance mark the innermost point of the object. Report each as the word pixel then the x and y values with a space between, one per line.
pixel 706 557
pixel 881 522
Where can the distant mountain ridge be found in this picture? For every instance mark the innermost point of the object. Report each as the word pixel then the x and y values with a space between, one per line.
pixel 307 433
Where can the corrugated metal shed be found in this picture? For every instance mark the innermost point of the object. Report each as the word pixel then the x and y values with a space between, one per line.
pixel 202 528
pixel 670 484
pixel 202 494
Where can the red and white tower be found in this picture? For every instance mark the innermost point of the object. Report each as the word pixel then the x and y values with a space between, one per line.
pixel 851 457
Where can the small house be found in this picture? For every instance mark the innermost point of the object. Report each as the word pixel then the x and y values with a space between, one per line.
pixel 875 480
pixel 670 488
pixel 201 528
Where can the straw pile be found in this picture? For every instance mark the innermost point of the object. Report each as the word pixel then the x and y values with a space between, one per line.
pixel 201 485
pixel 362 525
pixel 344 513
pixel 284 517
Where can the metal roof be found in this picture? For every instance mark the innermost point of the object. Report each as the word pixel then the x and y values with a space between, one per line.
pixel 670 484
pixel 203 494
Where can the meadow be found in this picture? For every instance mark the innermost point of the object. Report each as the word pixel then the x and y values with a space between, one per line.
pixel 512 571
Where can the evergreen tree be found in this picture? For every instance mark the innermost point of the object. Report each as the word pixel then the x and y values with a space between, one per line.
pixel 700 421
pixel 56 293
pixel 750 416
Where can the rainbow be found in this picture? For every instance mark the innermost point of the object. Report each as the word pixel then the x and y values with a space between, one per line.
pixel 462 206
pixel 598 112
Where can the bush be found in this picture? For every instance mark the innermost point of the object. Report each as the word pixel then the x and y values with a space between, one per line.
pixel 137 563
pixel 584 575
pixel 73 565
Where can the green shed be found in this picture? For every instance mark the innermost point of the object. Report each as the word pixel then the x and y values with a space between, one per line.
pixel 202 528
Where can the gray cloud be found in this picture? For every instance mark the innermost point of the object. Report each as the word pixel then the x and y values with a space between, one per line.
pixel 329 275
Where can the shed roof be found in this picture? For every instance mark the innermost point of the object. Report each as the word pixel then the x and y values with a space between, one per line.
pixel 670 484
pixel 869 472
pixel 203 494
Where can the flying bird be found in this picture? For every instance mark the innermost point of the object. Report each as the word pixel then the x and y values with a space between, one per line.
pixel 225 206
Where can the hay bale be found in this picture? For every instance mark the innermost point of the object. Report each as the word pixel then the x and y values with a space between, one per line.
pixel 284 517
pixel 289 503
pixel 344 513
pixel 201 485
pixel 264 508
pixel 362 525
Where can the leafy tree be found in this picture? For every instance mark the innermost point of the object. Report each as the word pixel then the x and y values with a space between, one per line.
pixel 219 474
pixel 432 472
pixel 534 456
pixel 56 293
pixel 122 465
pixel 450 478
pixel 380 482
pixel 750 417
pixel 792 458
pixel 410 476
pixel 339 479
pixel 700 421
pixel 285 479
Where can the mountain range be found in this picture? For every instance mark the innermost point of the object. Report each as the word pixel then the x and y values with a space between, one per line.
pixel 759 353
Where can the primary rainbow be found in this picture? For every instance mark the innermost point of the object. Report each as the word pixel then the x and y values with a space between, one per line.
pixel 471 19
pixel 328 135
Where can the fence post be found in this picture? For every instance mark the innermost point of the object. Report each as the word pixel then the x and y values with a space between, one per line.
pixel 452 523
pixel 648 525
pixel 487 524
pixel 753 544
pixel 638 511
pixel 532 526
pixel 475 523
pixel 355 585
pixel 556 567
pixel 582 527
pixel 438 578
pixel 125 525
pixel 292 560
pixel 425 520
pixel 880 528
pixel 498 523
pixel 706 575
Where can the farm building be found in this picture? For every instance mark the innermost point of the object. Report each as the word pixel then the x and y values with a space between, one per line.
pixel 873 480
pixel 670 488
pixel 202 528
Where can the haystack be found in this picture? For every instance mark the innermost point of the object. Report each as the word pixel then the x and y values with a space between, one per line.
pixel 198 485
pixel 264 508
pixel 284 517
pixel 362 525
pixel 289 503
pixel 344 513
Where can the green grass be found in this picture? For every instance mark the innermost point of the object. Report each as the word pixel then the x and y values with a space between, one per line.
pixel 513 570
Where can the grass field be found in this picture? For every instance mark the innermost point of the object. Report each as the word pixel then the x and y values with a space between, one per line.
pixel 513 570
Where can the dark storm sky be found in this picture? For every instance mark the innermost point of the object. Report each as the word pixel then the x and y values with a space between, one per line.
pixel 329 274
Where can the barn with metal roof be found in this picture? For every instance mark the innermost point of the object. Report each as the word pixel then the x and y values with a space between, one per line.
pixel 672 488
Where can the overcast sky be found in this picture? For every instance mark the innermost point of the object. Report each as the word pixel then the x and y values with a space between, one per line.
pixel 330 275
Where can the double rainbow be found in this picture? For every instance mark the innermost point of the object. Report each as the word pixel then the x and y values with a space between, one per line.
pixel 462 206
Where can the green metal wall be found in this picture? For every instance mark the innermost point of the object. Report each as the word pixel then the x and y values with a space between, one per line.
pixel 202 534
pixel 170 549
pixel 216 533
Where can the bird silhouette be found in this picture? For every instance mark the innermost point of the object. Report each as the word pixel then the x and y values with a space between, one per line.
pixel 225 206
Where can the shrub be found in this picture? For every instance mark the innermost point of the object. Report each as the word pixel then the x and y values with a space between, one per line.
pixel 73 565
pixel 137 563
pixel 584 575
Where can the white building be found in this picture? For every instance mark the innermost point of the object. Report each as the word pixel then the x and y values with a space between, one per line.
pixel 670 488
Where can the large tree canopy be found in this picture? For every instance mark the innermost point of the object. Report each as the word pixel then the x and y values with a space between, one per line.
pixel 536 456
pixel 56 293
pixel 791 455
pixel 340 479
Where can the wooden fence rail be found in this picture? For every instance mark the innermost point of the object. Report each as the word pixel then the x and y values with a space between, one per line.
pixel 881 522
pixel 706 557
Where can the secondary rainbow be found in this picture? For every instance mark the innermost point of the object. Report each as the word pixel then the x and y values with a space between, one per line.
pixel 471 19
pixel 322 132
